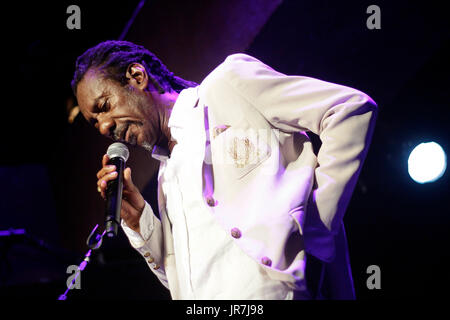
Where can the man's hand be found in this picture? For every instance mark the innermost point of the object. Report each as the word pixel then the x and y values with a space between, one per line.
pixel 132 201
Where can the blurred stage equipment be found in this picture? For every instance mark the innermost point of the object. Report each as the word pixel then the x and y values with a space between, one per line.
pixel 427 162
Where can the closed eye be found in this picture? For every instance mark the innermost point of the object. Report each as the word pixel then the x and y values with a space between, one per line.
pixel 97 110
pixel 103 108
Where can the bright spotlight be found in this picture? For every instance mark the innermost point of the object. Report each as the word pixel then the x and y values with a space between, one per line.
pixel 427 162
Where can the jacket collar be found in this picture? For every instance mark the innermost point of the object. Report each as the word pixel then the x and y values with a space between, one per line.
pixel 186 101
pixel 179 118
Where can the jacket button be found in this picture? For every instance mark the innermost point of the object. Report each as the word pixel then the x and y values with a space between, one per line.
pixel 156 267
pixel 266 261
pixel 236 233
pixel 150 260
pixel 147 254
pixel 211 202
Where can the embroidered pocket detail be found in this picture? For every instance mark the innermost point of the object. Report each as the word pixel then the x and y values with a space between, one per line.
pixel 243 152
pixel 240 150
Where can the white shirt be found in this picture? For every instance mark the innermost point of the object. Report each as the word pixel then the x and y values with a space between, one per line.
pixel 210 265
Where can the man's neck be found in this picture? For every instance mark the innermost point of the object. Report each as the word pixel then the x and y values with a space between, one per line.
pixel 167 101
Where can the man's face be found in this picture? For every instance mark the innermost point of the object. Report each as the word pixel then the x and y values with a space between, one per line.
pixel 123 113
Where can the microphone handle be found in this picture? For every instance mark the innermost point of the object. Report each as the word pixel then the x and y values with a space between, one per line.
pixel 114 198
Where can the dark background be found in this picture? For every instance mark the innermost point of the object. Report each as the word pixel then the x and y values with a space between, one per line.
pixel 48 165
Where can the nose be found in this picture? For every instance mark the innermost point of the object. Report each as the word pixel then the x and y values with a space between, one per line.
pixel 105 125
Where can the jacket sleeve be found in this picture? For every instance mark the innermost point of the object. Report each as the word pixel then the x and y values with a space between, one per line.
pixel 149 242
pixel 342 117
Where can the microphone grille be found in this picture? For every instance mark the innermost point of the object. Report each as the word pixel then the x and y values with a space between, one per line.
pixel 118 149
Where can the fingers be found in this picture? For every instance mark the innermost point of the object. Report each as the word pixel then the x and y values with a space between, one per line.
pixel 108 173
pixel 105 170
pixel 107 177
pixel 133 203
pixel 105 160
pixel 105 174
pixel 103 181
pixel 101 188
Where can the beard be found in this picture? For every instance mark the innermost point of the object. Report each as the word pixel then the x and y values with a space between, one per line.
pixel 147 146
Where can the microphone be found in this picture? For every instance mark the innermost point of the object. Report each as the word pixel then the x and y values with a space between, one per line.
pixel 118 154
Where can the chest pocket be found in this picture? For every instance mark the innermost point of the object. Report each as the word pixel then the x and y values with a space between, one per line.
pixel 239 149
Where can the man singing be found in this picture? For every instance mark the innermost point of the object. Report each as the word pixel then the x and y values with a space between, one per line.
pixel 247 209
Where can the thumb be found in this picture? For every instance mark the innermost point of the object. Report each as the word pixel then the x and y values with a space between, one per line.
pixel 127 181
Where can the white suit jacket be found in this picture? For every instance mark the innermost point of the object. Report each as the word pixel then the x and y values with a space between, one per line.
pixel 261 178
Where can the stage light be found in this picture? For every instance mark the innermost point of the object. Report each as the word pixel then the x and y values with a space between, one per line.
pixel 427 162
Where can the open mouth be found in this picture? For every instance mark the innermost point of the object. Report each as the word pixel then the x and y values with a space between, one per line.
pixel 130 137
pixel 121 135
pixel 125 134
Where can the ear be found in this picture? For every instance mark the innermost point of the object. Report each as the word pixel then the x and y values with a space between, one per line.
pixel 137 76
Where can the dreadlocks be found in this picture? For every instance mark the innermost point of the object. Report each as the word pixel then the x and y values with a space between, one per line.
pixel 114 57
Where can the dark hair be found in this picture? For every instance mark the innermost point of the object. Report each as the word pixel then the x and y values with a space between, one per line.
pixel 114 57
